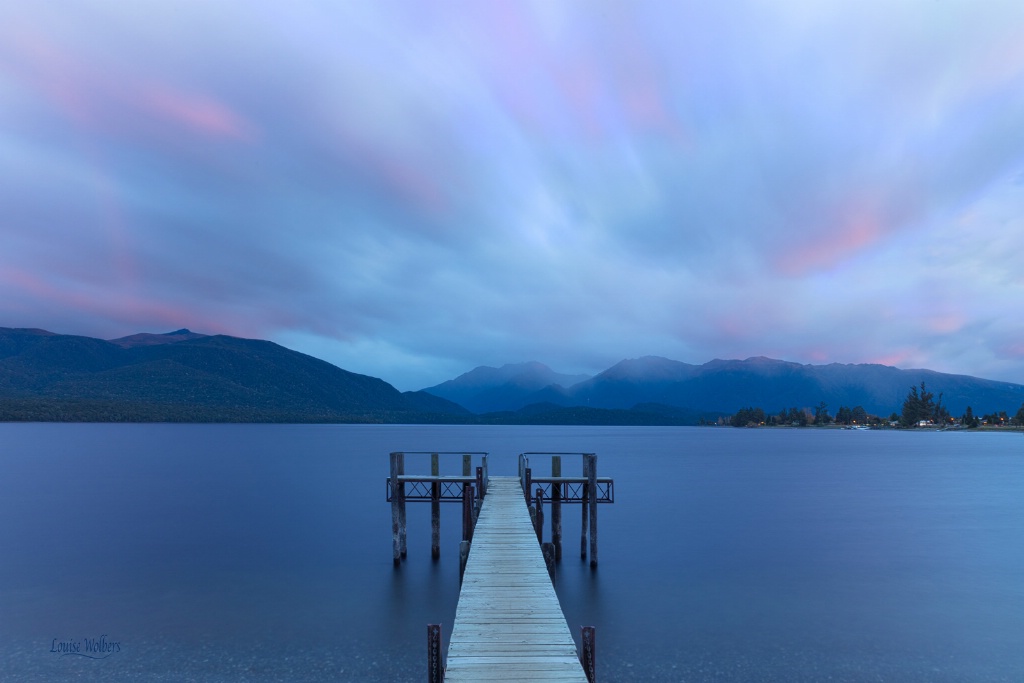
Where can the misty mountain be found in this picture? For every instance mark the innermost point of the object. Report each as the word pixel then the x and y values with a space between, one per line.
pixel 508 388
pixel 190 377
pixel 725 386
pixel 183 376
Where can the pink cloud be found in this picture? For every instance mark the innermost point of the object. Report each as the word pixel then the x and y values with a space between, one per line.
pixel 102 97
pixel 195 111
pixel 402 176
pixel 945 323
pixel 819 356
pixel 900 358
pixel 1013 350
pixel 824 248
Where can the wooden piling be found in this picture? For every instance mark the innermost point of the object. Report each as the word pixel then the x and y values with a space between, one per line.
pixel 527 477
pixel 435 666
pixel 467 512
pixel 467 465
pixel 549 558
pixel 586 511
pixel 463 558
pixel 479 493
pixel 556 508
pixel 395 516
pixel 540 514
pixel 587 654
pixel 592 503
pixel 435 508
pixel 400 490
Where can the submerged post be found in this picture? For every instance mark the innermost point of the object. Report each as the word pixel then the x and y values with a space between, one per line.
pixel 435 667
pixel 592 485
pixel 587 656
pixel 435 508
pixel 556 507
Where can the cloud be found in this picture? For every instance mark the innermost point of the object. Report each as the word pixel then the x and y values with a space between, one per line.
pixel 400 186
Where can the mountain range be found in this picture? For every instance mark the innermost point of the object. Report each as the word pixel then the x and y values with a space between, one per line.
pixel 722 387
pixel 190 377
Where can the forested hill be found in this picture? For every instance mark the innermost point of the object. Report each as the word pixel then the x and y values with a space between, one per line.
pixel 189 377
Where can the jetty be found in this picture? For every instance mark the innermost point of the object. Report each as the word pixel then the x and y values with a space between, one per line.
pixel 508 623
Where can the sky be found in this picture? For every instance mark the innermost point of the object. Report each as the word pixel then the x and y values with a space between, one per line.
pixel 413 189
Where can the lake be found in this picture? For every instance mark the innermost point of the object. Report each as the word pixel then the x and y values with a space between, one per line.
pixel 263 552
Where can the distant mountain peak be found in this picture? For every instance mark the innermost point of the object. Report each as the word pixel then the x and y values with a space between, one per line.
pixel 647 366
pixel 485 388
pixel 529 372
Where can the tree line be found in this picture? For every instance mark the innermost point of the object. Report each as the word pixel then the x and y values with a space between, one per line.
pixel 921 407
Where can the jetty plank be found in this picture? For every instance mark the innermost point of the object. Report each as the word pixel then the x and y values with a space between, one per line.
pixel 508 623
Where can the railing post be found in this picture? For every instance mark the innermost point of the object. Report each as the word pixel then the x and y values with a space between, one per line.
pixel 587 656
pixel 556 508
pixel 527 479
pixel 592 484
pixel 435 667
pixel 435 508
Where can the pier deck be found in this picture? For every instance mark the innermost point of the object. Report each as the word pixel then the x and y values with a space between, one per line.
pixel 508 624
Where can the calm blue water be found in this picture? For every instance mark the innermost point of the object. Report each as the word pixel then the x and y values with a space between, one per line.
pixel 263 553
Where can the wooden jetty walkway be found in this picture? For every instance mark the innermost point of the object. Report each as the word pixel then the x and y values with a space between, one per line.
pixel 508 624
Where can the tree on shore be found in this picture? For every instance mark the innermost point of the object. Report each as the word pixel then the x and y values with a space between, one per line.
pixel 970 420
pixel 1018 419
pixel 856 415
pixel 918 406
pixel 747 416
